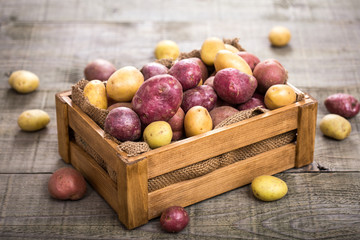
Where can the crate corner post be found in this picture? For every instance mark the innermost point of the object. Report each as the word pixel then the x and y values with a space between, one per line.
pixel 62 122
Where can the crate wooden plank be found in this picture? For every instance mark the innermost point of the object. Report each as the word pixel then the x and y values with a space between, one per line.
pixel 95 175
pixel 62 122
pixel 132 193
pixel 222 180
pixel 191 150
pixel 306 134
pixel 94 136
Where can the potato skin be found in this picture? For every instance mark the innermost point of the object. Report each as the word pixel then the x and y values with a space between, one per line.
pixel 255 101
pixel 268 188
pixel 335 126
pixel 279 95
pixel 219 114
pixel 342 104
pixel 123 124
pixel 158 99
pixel 268 73
pixel 95 92
pixel 177 124
pixel 24 81
pixel 152 69
pixel 203 68
pixel 99 69
pixel 226 59
pixel 67 184
pixel 203 95
pixel 197 120
pixel 158 134
pixel 187 72
pixel 209 49
pixel 250 58
pixel 33 120
pixel 233 86
pixel 279 36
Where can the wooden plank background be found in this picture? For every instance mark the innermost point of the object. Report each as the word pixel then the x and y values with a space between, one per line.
pixel 55 40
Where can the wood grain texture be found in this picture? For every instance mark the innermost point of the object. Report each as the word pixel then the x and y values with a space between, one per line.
pixel 62 123
pixel 55 39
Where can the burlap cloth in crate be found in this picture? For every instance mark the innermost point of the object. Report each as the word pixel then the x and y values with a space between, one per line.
pixel 191 171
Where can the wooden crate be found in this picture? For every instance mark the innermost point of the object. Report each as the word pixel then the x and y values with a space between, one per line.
pixel 129 196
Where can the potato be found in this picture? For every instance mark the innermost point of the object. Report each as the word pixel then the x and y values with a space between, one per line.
pixel 123 124
pixel 231 48
pixel 24 81
pixel 158 98
pixel 335 126
pixel 33 120
pixel 203 95
pixel 279 36
pixel 174 219
pixel 167 49
pixel 342 104
pixel 177 124
pixel 219 114
pixel 123 84
pixel 95 92
pixel 99 69
pixel 255 101
pixel 250 58
pixel 203 68
pixel 152 69
pixel 209 49
pixel 187 72
pixel 268 188
pixel 210 81
pixel 197 120
pixel 226 59
pixel 67 184
pixel 119 104
pixel 233 86
pixel 158 134
pixel 268 73
pixel 279 95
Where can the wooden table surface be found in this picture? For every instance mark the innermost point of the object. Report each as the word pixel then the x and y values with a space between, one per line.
pixel 55 40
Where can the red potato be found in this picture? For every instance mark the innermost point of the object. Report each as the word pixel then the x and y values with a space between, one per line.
pixel 203 68
pixel 342 104
pixel 120 104
pixel 158 99
pixel 250 58
pixel 203 95
pixel 233 86
pixel 152 69
pixel 177 124
pixel 67 184
pixel 221 113
pixel 99 69
pixel 174 219
pixel 123 124
pixel 268 73
pixel 255 101
pixel 187 72
pixel 210 81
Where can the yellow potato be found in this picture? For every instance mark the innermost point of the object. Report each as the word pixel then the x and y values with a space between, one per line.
pixel 279 36
pixel 157 134
pixel 268 188
pixel 197 120
pixel 167 49
pixel 123 84
pixel 335 126
pixel 231 48
pixel 227 59
pixel 279 95
pixel 24 81
pixel 95 92
pixel 33 120
pixel 209 49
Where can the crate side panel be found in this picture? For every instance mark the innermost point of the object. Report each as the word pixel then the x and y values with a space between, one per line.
pixel 219 141
pixel 62 123
pixel 96 176
pixel 222 180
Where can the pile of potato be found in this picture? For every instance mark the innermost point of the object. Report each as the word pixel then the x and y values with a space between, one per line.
pixel 190 97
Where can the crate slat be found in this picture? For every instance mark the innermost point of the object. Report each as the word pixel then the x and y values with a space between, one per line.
pixel 222 180
pixel 62 122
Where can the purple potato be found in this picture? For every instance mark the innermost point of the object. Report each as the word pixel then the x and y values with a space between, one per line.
pixel 210 81
pixel 99 69
pixel 202 95
pixel 123 124
pixel 342 104
pixel 177 124
pixel 250 58
pixel 187 72
pixel 203 68
pixel 219 114
pixel 268 73
pixel 158 99
pixel 233 86
pixel 174 219
pixel 255 101
pixel 152 69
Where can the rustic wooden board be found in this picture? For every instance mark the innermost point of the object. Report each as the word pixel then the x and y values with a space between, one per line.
pixel 55 39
